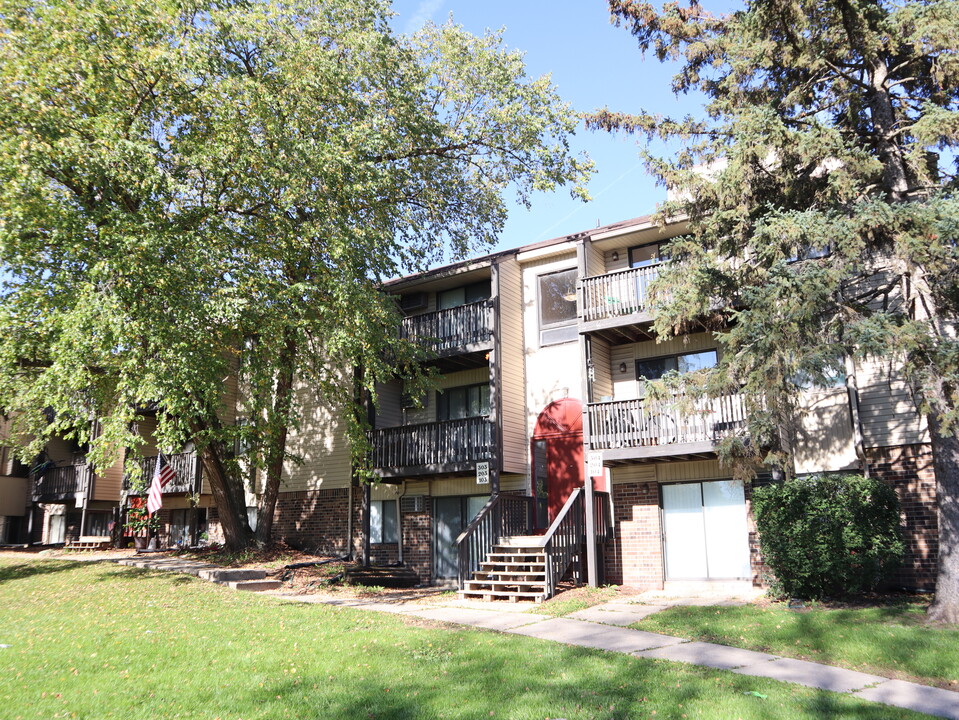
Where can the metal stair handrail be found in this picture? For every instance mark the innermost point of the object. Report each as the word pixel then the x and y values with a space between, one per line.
pixel 564 539
pixel 503 516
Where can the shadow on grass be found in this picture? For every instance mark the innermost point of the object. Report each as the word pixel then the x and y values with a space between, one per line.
pixel 586 686
pixel 34 569
pixel 126 573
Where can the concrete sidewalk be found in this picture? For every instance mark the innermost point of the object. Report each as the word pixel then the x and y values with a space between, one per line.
pixel 602 627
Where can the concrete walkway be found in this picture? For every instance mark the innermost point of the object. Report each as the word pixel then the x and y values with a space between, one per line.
pixel 603 627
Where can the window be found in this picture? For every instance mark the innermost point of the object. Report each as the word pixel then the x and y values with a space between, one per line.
pixel 463 295
pixel 463 402
pixel 645 255
pixel 809 253
pixel 655 368
pixel 557 307
pixel 383 525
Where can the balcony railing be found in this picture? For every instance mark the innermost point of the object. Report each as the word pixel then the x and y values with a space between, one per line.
pixel 617 293
pixel 443 331
pixel 450 442
pixel 645 422
pixel 60 483
pixel 186 465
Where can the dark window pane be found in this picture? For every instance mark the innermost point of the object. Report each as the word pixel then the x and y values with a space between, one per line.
pixel 644 255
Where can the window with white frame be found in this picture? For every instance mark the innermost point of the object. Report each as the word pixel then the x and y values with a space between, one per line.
pixel 383 521
pixel 557 307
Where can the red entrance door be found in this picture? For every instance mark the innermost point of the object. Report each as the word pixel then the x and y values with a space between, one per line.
pixel 557 452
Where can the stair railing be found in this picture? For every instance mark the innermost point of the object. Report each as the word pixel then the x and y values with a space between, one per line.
pixel 502 516
pixel 564 539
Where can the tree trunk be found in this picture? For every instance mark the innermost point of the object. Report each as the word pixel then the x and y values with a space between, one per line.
pixel 279 430
pixel 228 495
pixel 945 452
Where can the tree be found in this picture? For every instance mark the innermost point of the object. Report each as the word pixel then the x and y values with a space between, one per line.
pixel 200 194
pixel 827 138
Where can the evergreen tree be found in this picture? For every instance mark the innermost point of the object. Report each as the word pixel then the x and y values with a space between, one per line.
pixel 829 138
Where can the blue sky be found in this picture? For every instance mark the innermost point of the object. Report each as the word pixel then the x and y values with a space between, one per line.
pixel 593 64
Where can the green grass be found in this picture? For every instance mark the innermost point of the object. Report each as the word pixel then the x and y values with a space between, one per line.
pixel 99 641
pixel 889 640
pixel 579 599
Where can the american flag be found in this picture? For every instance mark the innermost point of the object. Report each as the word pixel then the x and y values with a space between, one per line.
pixel 163 474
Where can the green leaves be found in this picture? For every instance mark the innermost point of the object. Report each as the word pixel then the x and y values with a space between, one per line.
pixel 199 203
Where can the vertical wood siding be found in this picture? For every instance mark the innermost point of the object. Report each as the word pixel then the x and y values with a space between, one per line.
pixel 511 357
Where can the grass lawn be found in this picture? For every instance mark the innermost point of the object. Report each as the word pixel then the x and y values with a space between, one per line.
pixel 888 640
pixel 99 641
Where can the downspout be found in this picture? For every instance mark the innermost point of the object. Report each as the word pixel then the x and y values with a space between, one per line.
pixel 855 415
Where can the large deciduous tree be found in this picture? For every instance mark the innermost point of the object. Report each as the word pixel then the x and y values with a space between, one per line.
pixel 829 137
pixel 202 195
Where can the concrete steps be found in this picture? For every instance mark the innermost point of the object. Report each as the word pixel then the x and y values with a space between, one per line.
pixel 255 585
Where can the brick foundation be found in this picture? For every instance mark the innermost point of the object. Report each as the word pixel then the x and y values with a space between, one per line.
pixel 316 520
pixel 416 533
pixel 635 557
pixel 909 470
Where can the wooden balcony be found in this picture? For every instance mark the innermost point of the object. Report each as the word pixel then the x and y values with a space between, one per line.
pixel 58 484
pixel 617 300
pixel 456 331
pixel 188 468
pixel 639 429
pixel 432 448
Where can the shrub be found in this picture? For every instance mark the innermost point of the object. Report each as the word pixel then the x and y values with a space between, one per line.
pixel 828 535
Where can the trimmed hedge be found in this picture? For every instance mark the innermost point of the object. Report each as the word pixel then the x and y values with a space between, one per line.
pixel 828 535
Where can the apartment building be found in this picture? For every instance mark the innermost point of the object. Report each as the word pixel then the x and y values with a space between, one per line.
pixel 540 353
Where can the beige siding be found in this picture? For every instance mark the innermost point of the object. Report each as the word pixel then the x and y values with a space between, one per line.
pixel 603 370
pixel 616 259
pixel 231 394
pixel 509 357
pixel 146 427
pixel 595 262
pixel 14 496
pixel 322 445
pixel 554 371
pixel 824 439
pixel 625 386
pixel 514 483
pixel 693 470
pixel 457 486
pixel 887 409
pixel 109 483
pixel 638 473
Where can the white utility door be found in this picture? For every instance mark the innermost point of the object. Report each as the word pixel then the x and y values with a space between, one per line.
pixel 706 535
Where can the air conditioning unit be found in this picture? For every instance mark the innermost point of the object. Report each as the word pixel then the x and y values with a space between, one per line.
pixel 411 302
pixel 413 504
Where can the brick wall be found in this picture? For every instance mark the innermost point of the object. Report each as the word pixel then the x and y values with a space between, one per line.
pixel 314 520
pixel 635 557
pixel 417 535
pixel 910 471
